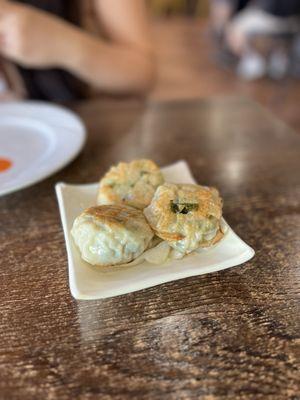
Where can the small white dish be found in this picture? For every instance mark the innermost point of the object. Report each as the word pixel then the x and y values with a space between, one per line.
pixel 36 140
pixel 88 283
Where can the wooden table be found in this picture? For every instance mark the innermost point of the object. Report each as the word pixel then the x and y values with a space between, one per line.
pixel 228 335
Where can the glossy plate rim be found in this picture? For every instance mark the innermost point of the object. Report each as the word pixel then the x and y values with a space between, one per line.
pixel 15 110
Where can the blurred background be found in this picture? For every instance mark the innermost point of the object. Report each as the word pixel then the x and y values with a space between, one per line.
pixel 198 45
pixel 204 48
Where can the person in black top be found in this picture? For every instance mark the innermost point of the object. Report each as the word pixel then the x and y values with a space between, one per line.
pixel 55 56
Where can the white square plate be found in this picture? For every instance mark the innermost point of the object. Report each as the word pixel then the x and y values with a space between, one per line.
pixel 87 283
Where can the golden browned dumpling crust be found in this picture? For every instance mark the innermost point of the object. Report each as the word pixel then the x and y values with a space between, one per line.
pixel 131 183
pixel 187 216
pixel 111 234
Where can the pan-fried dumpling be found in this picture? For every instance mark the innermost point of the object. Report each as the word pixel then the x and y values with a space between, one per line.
pixel 187 216
pixel 131 183
pixel 111 234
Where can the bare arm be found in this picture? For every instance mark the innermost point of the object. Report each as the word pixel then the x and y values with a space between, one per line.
pixel 122 63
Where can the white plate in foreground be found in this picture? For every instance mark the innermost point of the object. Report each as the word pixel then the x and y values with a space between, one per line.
pixel 36 140
pixel 88 283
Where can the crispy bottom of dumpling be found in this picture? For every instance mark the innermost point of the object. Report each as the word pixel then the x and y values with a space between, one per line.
pixel 131 183
pixel 187 216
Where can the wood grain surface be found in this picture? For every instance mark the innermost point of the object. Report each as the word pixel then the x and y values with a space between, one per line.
pixel 228 335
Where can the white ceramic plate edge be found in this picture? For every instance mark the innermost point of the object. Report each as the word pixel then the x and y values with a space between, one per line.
pixel 62 164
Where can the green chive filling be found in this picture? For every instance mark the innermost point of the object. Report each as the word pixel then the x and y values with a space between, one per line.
pixel 183 208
